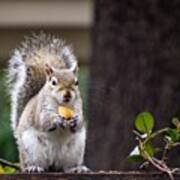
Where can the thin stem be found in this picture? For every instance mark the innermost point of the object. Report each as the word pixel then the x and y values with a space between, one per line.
pixel 156 163
pixel 167 148
pixel 137 133
pixel 176 144
pixel 7 163
pixel 165 153
pixel 153 135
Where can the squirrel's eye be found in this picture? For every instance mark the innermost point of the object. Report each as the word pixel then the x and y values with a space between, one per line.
pixel 76 83
pixel 54 81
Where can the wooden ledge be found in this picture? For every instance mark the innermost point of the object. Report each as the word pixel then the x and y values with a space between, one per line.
pixel 122 175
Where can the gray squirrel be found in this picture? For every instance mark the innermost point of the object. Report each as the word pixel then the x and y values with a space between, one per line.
pixel 43 75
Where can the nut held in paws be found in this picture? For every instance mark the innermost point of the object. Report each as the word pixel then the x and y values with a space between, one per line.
pixel 66 112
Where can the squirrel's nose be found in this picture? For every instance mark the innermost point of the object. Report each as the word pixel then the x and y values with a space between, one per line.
pixel 67 97
pixel 67 94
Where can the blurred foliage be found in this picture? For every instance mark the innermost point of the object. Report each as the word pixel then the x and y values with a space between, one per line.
pixel 7 170
pixel 7 144
pixel 8 149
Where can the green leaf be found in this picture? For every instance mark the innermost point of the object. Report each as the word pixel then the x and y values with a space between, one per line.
pixel 9 170
pixel 174 135
pixel 149 149
pixel 135 155
pixel 135 158
pixel 1 170
pixel 144 122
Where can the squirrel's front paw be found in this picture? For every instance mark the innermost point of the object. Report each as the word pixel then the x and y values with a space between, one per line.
pixel 57 123
pixel 60 122
pixel 73 123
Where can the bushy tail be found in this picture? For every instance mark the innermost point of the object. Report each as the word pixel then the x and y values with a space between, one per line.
pixel 26 69
pixel 17 78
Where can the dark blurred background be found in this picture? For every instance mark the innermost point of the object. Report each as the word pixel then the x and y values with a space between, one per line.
pixel 129 53
pixel 135 67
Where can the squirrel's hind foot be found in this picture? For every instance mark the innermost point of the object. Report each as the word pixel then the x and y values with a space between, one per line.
pixel 33 169
pixel 77 169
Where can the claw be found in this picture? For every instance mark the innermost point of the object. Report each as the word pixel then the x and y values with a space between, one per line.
pixel 33 169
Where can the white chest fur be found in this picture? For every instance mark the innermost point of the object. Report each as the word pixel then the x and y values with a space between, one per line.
pixel 59 149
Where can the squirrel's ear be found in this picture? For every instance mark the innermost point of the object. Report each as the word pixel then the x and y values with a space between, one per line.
pixel 76 70
pixel 48 70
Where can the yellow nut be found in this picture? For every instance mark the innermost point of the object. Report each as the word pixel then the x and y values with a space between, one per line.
pixel 66 112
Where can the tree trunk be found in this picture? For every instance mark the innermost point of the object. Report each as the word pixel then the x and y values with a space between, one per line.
pixel 135 67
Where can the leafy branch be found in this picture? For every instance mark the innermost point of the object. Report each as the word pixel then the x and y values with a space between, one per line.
pixel 145 151
pixel 8 167
pixel 8 163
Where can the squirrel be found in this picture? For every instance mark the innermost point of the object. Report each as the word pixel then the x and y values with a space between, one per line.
pixel 43 75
